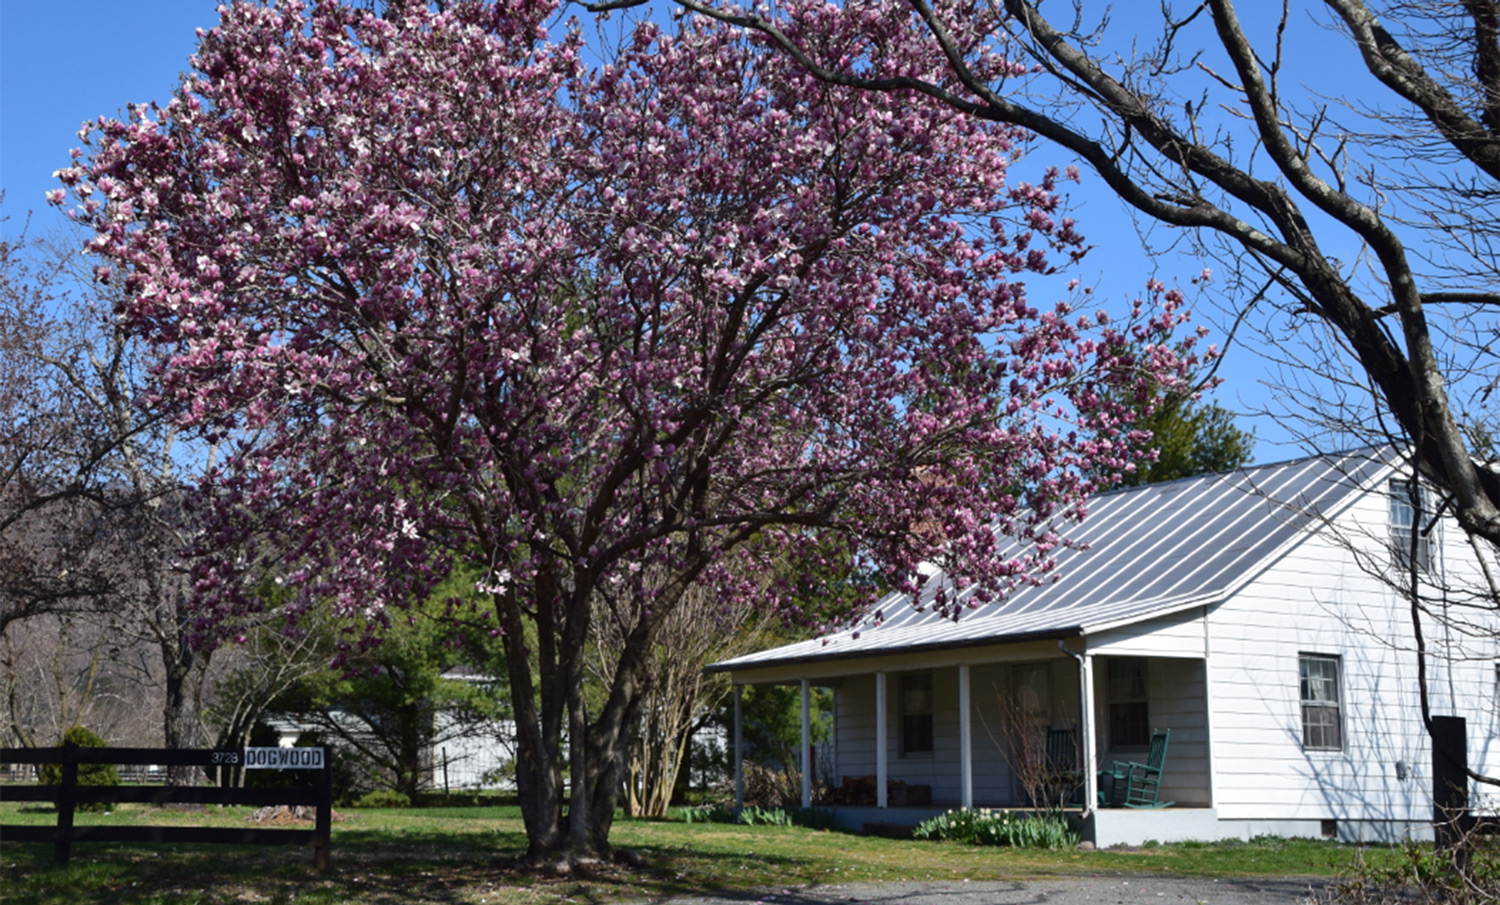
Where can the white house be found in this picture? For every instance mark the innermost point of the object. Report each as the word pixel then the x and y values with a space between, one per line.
pixel 1255 614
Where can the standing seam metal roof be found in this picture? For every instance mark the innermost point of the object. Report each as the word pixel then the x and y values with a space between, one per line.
pixel 1147 551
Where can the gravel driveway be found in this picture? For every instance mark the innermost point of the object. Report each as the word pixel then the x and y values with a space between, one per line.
pixel 1070 891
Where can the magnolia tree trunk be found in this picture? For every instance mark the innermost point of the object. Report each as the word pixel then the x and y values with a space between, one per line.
pixel 568 822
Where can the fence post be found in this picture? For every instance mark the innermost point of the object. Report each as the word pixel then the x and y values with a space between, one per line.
pixel 324 826
pixel 67 798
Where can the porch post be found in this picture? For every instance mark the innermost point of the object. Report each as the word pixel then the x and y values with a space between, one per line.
pixel 806 744
pixel 880 740
pixel 739 747
pixel 965 755
pixel 1086 729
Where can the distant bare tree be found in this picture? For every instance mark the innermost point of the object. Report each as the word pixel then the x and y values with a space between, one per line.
pixel 62 670
pixel 677 697
pixel 94 518
pixel 249 675
pixel 53 454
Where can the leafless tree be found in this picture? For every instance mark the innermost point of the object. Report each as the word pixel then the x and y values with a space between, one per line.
pixel 54 557
pixel 62 670
pixel 93 495
pixel 249 675
pixel 677 698
pixel 1022 741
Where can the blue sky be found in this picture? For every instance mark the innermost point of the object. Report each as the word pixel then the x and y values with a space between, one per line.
pixel 50 82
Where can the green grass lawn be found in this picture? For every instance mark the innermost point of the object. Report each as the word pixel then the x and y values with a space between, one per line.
pixel 465 855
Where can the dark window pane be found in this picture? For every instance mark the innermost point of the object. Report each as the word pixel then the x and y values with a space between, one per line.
pixel 1129 711
pixel 1129 725
pixel 916 713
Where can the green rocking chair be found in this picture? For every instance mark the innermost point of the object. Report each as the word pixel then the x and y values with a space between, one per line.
pixel 1063 775
pixel 1135 785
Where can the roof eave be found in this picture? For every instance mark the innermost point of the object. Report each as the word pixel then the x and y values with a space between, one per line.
pixel 1040 635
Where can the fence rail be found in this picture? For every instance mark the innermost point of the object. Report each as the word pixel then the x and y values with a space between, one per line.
pixel 69 794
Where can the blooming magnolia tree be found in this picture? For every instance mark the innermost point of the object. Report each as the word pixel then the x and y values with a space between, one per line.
pixel 449 293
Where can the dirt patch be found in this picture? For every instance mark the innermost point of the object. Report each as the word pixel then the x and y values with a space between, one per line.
pixel 284 815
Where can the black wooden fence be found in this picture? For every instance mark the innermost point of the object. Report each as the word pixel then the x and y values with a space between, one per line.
pixel 69 794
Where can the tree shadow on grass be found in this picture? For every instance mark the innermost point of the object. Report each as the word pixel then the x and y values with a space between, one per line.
pixel 387 866
pixel 375 866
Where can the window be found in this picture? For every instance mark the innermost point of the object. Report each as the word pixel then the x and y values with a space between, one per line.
pixel 1031 693
pixel 916 713
pixel 1322 728
pixel 1129 715
pixel 1406 521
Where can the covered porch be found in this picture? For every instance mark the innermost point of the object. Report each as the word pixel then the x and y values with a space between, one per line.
pixel 915 735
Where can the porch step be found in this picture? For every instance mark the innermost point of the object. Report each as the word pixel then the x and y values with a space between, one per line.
pixel 888 830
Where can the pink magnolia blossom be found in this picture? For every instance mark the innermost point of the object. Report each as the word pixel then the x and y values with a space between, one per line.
pixel 448 293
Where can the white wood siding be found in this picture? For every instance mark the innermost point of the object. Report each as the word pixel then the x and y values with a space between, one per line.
pixel 854 727
pixel 1318 600
pixel 1179 635
pixel 1484 739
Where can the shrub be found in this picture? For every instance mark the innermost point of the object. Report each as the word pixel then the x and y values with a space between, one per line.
pixel 88 774
pixel 502 776
pixel 992 827
pixel 348 779
pixel 811 818
pixel 715 813
pixel 954 826
pixel 1421 875
pixel 768 788
pixel 382 798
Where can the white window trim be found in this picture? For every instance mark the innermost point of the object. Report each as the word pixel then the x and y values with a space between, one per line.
pixel 1303 702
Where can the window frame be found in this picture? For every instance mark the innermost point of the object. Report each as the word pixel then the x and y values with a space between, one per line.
pixel 1404 522
pixel 1127 711
pixel 1039 710
pixel 1319 705
pixel 916 726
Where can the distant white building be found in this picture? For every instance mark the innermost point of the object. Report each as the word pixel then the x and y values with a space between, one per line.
pixel 480 758
pixel 466 757
pixel 1249 613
